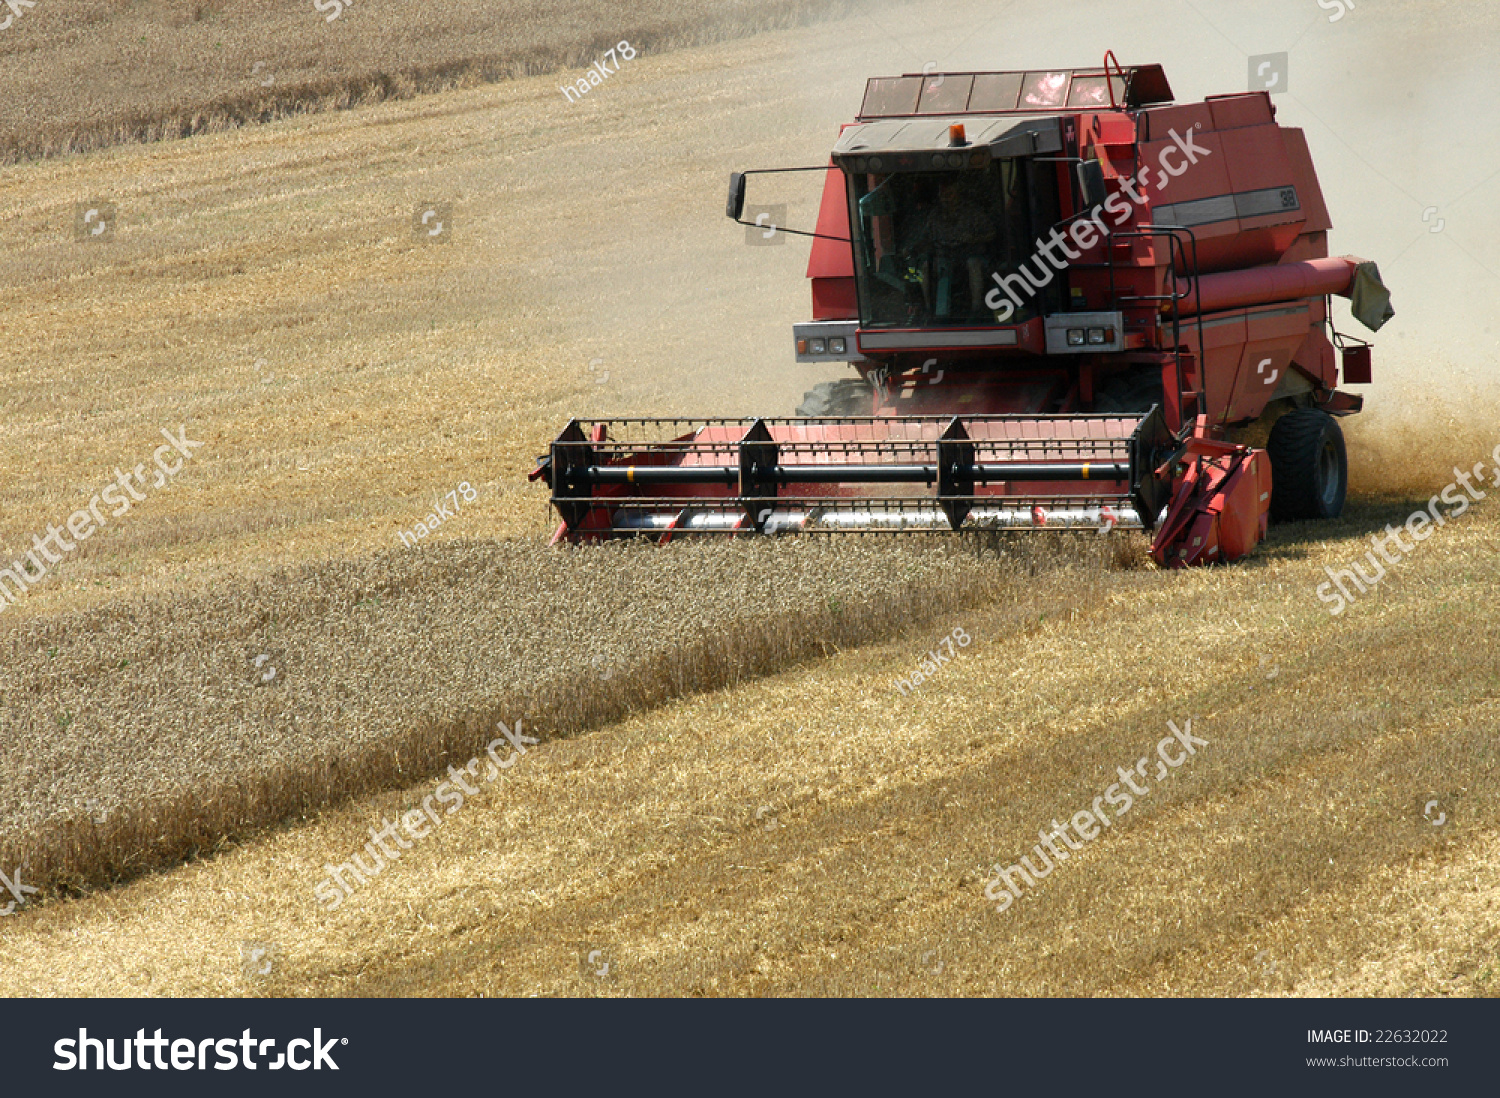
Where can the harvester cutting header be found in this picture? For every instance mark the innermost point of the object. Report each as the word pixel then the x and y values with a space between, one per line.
pixel 1068 303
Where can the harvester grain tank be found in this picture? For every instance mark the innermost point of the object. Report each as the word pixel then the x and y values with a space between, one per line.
pixel 1066 302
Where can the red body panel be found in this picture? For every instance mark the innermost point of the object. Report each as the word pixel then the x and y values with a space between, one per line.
pixel 1220 505
pixel 830 264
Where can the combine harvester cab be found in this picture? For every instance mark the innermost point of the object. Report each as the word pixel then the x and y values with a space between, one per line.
pixel 1068 303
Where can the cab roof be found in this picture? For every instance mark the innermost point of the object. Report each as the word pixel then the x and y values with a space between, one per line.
pixel 919 144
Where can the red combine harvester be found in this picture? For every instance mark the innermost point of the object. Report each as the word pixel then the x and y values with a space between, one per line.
pixel 1069 303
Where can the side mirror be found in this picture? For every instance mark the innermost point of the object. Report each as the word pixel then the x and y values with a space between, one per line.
pixel 736 204
pixel 1091 183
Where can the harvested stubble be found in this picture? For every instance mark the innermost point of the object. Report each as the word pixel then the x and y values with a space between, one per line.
pixel 159 73
pixel 146 733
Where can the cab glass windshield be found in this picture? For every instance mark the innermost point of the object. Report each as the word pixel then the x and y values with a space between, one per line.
pixel 927 243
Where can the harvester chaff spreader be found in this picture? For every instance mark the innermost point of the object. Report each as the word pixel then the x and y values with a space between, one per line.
pixel 1068 303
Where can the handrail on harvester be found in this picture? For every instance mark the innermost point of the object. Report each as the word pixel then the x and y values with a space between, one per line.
pixel 1109 55
pixel 1174 298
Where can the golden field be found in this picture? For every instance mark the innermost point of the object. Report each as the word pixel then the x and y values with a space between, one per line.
pixel 819 832
pixel 731 796
pixel 92 73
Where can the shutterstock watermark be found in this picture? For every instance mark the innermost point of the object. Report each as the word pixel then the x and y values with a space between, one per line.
pixel 258 959
pixel 1418 526
pixel 1004 891
pixel 191 1054
pixel 17 890
pixel 934 660
pixel 1088 231
pixel 335 7
pixel 94 221
pixel 441 514
pixel 1268 72
pixel 432 222
pixel 14 9
pixel 765 223
pixel 598 963
pixel 83 524
pixel 599 71
pixel 335 888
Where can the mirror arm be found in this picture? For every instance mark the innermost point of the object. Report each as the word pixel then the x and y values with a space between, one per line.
pixel 794 232
pixel 736 204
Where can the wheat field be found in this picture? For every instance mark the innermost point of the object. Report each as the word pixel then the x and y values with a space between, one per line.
pixel 732 794
pixel 94 73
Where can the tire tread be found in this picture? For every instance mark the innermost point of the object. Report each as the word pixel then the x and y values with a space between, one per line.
pixel 1294 447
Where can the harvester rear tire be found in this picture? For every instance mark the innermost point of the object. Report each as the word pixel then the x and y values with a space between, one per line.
pixel 845 397
pixel 1309 466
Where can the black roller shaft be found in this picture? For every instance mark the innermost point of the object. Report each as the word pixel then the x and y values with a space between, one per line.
pixel 851 474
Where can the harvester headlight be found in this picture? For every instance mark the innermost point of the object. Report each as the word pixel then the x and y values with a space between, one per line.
pixel 1075 337
pixel 1096 335
pixel 818 346
pixel 955 160
pixel 938 160
pixel 836 345
pixel 858 165
pixel 875 164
